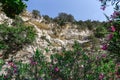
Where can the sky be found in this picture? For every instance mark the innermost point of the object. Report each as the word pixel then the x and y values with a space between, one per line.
pixel 80 9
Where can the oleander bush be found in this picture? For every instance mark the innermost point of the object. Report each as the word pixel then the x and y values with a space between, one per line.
pixel 70 65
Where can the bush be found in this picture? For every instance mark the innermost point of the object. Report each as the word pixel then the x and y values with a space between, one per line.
pixel 100 32
pixel 35 14
pixel 12 38
pixel 70 65
pixel 12 7
pixel 63 18
pixel 47 18
pixel 77 65
pixel 114 43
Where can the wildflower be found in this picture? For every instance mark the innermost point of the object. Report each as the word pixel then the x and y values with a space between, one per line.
pixel 15 70
pixel 110 21
pixel 32 62
pixel 40 79
pixel 103 55
pixel 78 52
pixel 118 74
pixel 110 36
pixel 115 15
pixel 56 69
pixel 10 63
pixel 104 47
pixel 6 76
pixel 103 8
pixel 97 57
pixel 112 28
pixel 101 76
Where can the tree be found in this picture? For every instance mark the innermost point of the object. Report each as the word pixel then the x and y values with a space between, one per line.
pixel 62 18
pixel 65 17
pixel 12 7
pixel 47 18
pixel 36 14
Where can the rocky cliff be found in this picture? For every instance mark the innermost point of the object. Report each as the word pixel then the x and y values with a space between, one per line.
pixel 50 36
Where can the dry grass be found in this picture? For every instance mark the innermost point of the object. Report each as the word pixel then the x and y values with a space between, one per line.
pixel 41 25
pixel 28 24
pixel 56 44
pixel 53 36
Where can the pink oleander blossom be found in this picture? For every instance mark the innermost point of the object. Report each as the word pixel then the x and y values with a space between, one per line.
pixel 103 55
pixel 101 76
pixel 103 8
pixel 56 69
pixel 112 28
pixel 104 47
pixel 115 14
pixel 110 36
pixel 32 62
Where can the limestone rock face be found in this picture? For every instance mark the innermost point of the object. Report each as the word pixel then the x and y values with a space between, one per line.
pixel 49 35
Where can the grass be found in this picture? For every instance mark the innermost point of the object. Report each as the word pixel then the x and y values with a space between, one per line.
pixel 41 25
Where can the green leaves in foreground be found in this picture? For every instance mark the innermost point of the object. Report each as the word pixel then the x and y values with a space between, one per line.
pixel 12 7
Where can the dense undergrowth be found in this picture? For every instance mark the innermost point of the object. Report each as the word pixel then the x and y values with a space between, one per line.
pixel 70 65
pixel 14 38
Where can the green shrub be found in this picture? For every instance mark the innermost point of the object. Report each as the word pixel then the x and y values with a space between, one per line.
pixel 14 38
pixel 100 32
pixel 70 65
pixel 35 14
pixel 12 7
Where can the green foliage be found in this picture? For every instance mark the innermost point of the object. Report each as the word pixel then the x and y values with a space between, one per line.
pixel 36 69
pixel 80 66
pixel 100 32
pixel 114 43
pixel 17 21
pixel 12 38
pixel 88 24
pixel 47 18
pixel 12 7
pixel 63 18
pixel 70 65
pixel 36 14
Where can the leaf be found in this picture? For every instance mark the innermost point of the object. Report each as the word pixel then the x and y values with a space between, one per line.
pixel 107 17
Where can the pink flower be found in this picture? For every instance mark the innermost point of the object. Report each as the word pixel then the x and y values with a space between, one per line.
pixel 32 62
pixel 110 36
pixel 113 28
pixel 6 76
pixel 103 8
pixel 104 47
pixel 56 69
pixel 117 74
pixel 101 76
pixel 115 14
pixel 103 55
pixel 10 63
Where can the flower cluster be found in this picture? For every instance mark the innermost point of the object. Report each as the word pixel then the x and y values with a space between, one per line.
pixel 101 76
pixel 110 36
pixel 115 15
pixel 12 70
pixel 33 62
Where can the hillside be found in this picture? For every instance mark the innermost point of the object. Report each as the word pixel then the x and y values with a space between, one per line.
pixel 51 36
